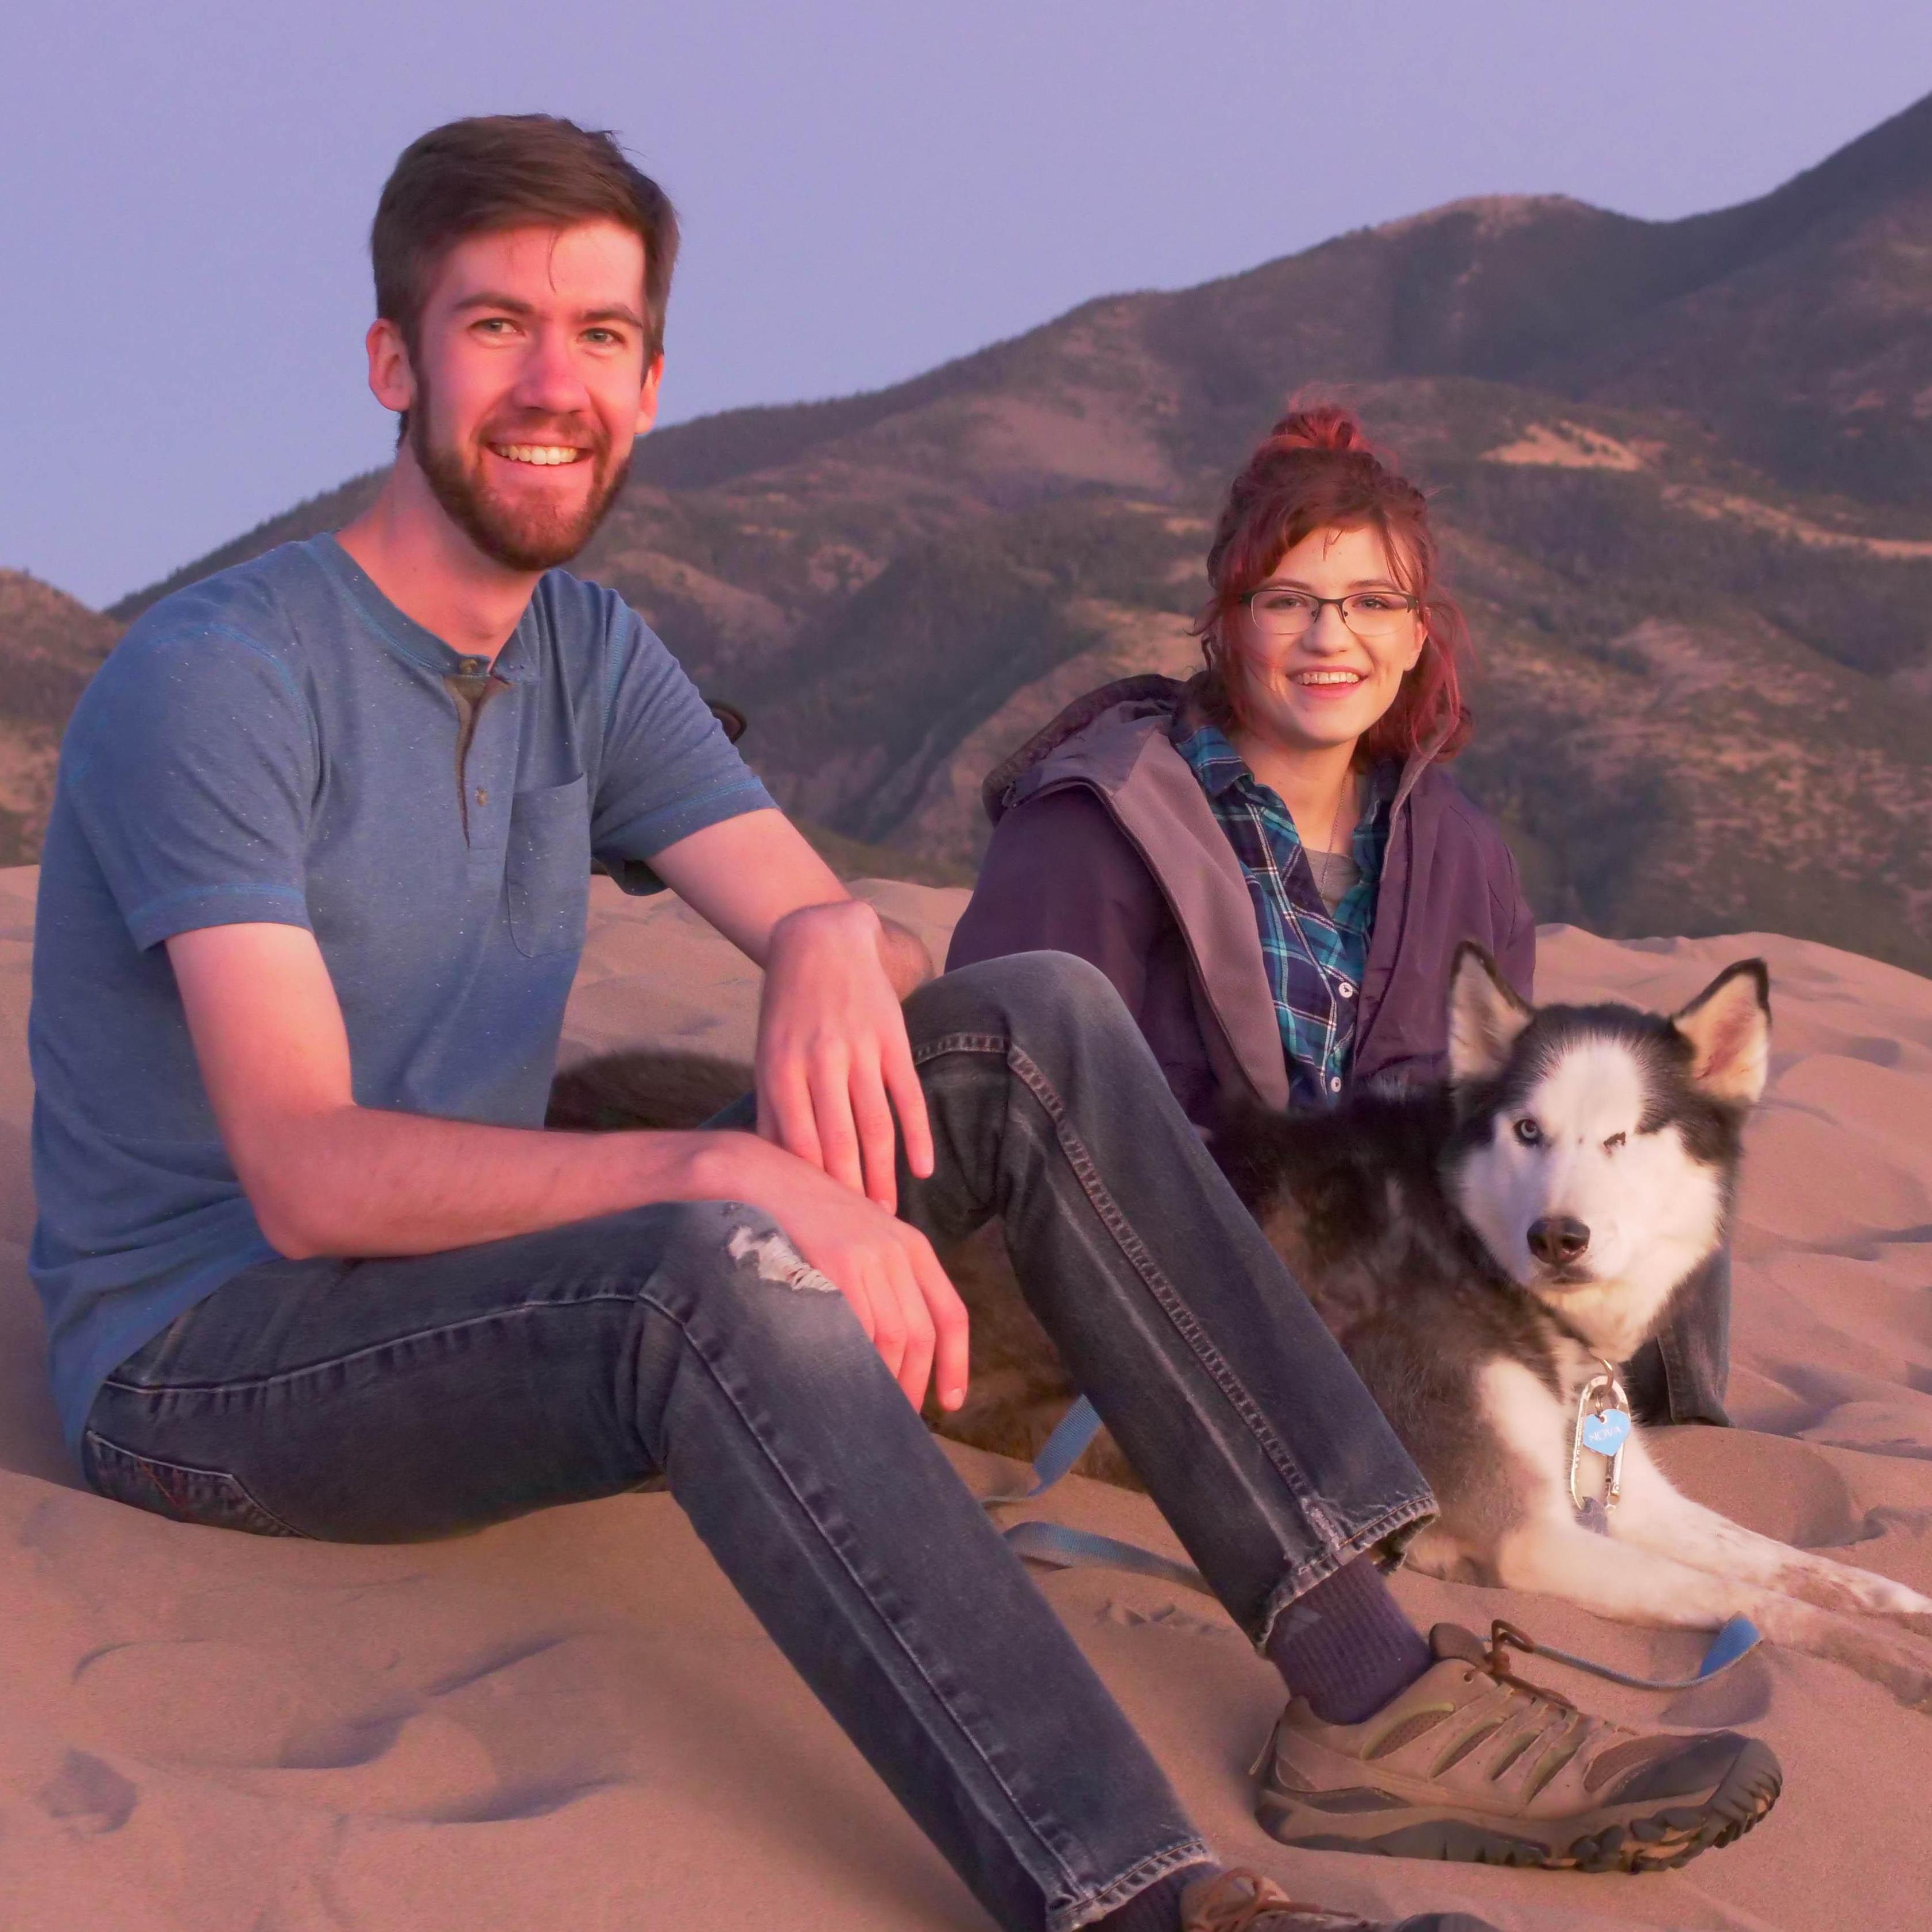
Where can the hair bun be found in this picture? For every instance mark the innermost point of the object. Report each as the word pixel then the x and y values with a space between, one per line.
pixel 1329 427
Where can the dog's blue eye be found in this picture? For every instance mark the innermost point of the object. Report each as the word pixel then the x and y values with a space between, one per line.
pixel 1527 1131
pixel 1614 1142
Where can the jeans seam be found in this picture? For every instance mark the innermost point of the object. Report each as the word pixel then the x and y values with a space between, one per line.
pixel 1056 1918
pixel 280 1376
pixel 1675 1376
pixel 1134 1252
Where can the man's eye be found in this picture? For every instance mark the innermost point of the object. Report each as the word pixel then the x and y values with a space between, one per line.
pixel 1527 1131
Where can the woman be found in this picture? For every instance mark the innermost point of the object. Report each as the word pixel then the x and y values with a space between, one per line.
pixel 1270 862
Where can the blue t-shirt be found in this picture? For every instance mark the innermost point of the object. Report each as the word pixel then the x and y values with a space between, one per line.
pixel 281 743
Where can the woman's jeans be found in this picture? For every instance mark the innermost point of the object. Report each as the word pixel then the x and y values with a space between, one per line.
pixel 382 1400
pixel 1680 1375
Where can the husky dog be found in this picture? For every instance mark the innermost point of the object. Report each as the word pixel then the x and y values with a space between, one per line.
pixel 1483 1250
pixel 1486 1250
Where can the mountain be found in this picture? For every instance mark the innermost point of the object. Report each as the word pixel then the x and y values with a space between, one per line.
pixel 49 647
pixel 1684 471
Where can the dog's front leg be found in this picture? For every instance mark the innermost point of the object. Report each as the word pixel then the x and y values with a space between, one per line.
pixel 1656 1514
pixel 1622 1578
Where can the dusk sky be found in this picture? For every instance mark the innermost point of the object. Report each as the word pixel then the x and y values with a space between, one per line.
pixel 867 188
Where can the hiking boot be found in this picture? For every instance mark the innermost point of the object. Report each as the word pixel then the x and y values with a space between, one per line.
pixel 1470 1762
pixel 1245 1901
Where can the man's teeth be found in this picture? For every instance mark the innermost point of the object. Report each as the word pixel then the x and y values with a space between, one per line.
pixel 536 452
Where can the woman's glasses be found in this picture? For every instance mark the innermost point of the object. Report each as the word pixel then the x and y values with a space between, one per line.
pixel 1284 615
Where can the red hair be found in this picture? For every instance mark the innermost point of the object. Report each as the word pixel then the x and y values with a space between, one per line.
pixel 1315 471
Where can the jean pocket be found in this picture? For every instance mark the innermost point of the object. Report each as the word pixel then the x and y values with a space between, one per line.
pixel 547 872
pixel 211 1497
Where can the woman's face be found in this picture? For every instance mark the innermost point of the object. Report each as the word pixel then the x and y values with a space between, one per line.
pixel 1325 687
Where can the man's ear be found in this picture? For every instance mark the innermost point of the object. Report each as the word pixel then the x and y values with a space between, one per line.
pixel 391 381
pixel 1728 1026
pixel 647 399
pixel 1485 1015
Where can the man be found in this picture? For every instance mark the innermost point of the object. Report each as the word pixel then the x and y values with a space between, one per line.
pixel 313 896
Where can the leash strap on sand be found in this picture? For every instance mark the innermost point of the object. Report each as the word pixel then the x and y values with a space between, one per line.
pixel 1737 1638
pixel 1064 1549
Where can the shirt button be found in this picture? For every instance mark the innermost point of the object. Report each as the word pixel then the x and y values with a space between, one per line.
pixel 482 796
pixel 1334 1083
pixel 1346 989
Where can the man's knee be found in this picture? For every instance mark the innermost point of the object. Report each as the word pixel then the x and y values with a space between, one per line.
pixel 737 1261
pixel 1019 991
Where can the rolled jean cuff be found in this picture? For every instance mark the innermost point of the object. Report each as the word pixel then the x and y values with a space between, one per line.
pixel 1386 1536
pixel 1131 1883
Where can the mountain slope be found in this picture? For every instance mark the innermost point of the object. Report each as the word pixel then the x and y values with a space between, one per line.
pixel 1684 469
pixel 49 647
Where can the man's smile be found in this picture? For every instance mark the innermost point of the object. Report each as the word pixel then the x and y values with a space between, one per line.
pixel 539 453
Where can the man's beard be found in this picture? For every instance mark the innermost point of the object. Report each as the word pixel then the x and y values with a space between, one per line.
pixel 519 537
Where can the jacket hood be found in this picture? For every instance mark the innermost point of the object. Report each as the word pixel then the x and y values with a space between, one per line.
pixel 1127 701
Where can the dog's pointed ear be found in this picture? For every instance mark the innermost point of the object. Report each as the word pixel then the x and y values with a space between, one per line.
pixel 1728 1026
pixel 1485 1015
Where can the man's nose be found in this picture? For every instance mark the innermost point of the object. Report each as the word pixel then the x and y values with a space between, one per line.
pixel 549 379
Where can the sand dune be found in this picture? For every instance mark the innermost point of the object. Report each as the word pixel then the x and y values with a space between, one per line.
pixel 568 1721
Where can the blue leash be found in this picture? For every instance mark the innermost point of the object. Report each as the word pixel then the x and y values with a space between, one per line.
pixel 1063 1549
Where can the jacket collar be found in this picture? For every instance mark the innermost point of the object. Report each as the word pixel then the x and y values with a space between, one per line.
pixel 1096 740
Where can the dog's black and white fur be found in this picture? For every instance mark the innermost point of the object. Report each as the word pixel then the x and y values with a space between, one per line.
pixel 1479 1248
pixel 1482 1249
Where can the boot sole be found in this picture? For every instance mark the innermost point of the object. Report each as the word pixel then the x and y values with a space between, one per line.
pixel 1653 1836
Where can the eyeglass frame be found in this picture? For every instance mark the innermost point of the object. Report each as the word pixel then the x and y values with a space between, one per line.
pixel 1411 604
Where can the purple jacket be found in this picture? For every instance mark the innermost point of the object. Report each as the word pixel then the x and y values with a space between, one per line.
pixel 1104 845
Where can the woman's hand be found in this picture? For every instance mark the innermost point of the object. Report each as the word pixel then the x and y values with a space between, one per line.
pixel 834 1063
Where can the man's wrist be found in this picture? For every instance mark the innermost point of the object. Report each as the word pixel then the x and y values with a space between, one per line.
pixel 831 920
pixel 720 1165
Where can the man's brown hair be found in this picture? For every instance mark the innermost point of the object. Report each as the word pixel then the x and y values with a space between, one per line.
pixel 500 171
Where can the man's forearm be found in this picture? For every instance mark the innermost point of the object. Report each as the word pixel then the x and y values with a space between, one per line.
pixel 358 1181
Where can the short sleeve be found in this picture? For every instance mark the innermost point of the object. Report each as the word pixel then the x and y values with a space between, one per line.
pixel 668 768
pixel 190 766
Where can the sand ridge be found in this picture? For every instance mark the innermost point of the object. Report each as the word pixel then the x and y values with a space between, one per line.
pixel 569 1721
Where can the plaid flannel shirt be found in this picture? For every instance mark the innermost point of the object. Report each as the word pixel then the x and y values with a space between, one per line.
pixel 1315 958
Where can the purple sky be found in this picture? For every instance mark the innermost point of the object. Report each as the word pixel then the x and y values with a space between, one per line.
pixel 869 188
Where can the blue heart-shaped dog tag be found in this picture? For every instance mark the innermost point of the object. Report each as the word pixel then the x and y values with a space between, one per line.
pixel 1606 1433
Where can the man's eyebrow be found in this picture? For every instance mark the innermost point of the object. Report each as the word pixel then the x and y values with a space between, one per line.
pixel 489 299
pixel 515 305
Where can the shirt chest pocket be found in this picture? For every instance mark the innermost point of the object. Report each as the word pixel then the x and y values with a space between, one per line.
pixel 547 869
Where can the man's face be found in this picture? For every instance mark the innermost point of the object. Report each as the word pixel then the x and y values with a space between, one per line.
pixel 528 385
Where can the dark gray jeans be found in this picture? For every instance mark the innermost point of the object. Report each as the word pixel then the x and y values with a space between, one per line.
pixel 385 1400
pixel 1681 1376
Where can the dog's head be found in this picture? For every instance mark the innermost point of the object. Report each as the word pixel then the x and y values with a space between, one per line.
pixel 1597 1147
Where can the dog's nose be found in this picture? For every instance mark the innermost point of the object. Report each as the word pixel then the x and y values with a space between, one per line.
pixel 1557 1239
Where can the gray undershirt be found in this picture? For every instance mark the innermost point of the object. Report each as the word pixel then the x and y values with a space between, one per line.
pixel 1336 875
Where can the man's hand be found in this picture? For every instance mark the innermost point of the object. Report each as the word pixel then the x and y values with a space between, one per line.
pixel 884 1267
pixel 834 1063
